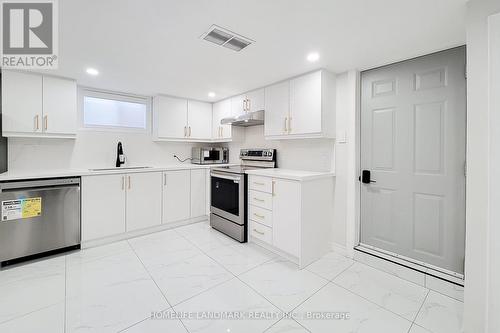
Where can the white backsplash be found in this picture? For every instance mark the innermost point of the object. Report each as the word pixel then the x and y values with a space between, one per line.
pixel 310 155
pixel 92 149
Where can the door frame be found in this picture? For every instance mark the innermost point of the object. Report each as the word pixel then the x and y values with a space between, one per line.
pixel 385 255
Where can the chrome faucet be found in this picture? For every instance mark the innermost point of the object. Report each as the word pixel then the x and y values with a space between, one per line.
pixel 120 158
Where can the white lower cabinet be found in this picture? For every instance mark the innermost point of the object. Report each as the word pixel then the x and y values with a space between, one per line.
pixel 119 203
pixel 286 216
pixel 291 217
pixel 198 193
pixel 176 195
pixel 184 195
pixel 143 200
pixel 103 206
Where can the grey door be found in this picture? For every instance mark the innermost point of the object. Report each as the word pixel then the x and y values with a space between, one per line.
pixel 413 132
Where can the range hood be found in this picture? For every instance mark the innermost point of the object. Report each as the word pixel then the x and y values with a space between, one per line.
pixel 247 119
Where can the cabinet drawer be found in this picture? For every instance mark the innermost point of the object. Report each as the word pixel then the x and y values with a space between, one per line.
pixel 261 232
pixel 260 215
pixel 260 199
pixel 263 184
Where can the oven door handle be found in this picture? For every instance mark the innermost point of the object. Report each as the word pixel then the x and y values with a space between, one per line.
pixel 236 179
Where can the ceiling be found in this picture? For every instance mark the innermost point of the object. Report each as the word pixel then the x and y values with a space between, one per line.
pixel 153 46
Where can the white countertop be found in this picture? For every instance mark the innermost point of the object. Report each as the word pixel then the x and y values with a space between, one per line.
pixel 300 175
pixel 36 174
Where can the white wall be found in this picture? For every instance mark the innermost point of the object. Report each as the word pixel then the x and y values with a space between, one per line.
pixel 494 191
pixel 476 256
pixel 92 149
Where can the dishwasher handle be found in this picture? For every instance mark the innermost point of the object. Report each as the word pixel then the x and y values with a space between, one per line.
pixel 37 185
pixel 40 188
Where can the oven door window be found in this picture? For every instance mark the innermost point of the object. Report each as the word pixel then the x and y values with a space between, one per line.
pixel 226 195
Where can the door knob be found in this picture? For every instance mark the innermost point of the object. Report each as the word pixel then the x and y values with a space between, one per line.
pixel 366 177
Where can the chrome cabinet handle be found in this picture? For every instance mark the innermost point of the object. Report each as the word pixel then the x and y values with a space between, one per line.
pixel 123 183
pixel 260 184
pixel 45 122
pixel 257 199
pixel 286 124
pixel 185 131
pixel 272 187
pixel 259 232
pixel 164 179
pixel 259 216
pixel 129 182
pixel 189 131
pixel 248 101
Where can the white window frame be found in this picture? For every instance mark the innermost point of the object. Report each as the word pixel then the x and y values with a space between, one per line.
pixel 122 97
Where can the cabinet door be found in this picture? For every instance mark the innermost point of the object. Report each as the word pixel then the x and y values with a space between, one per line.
pixel 238 105
pixel 221 110
pixel 277 106
pixel 176 195
pixel 198 193
pixel 21 102
pixel 286 216
pixel 59 106
pixel 103 206
pixel 256 100
pixel 144 200
pixel 305 104
pixel 199 120
pixel 171 117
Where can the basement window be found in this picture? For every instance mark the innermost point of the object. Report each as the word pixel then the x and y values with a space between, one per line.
pixel 113 111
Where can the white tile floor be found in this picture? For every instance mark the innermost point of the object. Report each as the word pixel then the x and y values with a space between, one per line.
pixel 195 271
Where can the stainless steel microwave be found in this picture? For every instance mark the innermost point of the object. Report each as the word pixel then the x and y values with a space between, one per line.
pixel 209 155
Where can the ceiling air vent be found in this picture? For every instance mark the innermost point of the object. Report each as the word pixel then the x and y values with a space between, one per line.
pixel 226 38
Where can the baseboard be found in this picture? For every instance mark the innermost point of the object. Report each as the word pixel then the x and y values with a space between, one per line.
pixel 141 232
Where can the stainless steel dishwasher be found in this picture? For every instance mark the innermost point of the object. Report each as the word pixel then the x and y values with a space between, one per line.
pixel 38 217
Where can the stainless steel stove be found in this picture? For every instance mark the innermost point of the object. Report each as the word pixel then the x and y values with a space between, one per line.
pixel 228 209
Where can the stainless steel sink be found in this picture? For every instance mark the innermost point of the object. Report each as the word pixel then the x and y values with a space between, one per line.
pixel 121 168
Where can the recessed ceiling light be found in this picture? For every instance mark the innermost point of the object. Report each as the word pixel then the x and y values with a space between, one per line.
pixel 313 56
pixel 211 94
pixel 92 71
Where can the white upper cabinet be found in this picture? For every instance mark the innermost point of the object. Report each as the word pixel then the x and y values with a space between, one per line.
pixel 221 110
pixel 238 105
pixel 199 120
pixel 59 106
pixel 21 103
pixel 277 101
pixel 170 117
pixel 251 101
pixel 36 105
pixel 255 100
pixel 178 119
pixel 305 104
pixel 303 107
